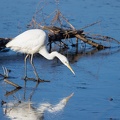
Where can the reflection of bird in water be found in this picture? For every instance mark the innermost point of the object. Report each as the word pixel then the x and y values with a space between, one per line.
pixel 25 110
pixel 35 41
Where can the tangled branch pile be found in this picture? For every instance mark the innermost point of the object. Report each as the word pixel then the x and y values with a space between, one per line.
pixel 60 30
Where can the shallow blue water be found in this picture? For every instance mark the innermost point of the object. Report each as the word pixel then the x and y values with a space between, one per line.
pixel 96 85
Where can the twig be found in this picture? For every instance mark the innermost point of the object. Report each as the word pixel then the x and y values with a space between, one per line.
pixel 12 92
pixel 73 28
pixel 103 38
pixel 90 25
pixel 11 83
pixel 5 72
pixel 90 42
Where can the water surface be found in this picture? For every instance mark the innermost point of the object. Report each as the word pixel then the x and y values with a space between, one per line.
pixel 96 85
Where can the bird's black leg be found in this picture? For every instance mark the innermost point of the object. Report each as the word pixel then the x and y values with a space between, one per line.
pixel 25 77
pixel 35 72
pixel 34 69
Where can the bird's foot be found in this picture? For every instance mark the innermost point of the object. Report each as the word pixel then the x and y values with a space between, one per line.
pixel 35 80
pixel 27 78
pixel 40 80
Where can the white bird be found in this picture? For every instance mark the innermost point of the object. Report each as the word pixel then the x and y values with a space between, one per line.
pixel 35 41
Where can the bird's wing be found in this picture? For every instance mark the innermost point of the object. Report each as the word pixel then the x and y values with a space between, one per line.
pixel 28 40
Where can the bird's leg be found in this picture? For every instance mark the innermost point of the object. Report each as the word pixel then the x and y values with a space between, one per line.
pixel 26 65
pixel 34 69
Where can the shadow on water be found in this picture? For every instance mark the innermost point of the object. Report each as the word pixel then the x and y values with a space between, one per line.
pixel 74 57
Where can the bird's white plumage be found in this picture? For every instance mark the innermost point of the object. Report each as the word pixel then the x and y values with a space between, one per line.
pixel 28 42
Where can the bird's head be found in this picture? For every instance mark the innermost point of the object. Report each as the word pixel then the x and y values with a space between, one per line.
pixel 65 61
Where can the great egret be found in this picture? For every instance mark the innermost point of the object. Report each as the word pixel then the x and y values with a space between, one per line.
pixel 35 41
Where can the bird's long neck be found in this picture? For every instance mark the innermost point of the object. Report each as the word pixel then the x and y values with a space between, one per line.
pixel 48 55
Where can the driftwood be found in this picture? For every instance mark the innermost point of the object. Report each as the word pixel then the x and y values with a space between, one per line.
pixel 8 93
pixel 59 34
pixel 3 42
pixel 11 83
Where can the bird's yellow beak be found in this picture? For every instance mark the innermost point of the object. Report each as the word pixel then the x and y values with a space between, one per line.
pixel 70 69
